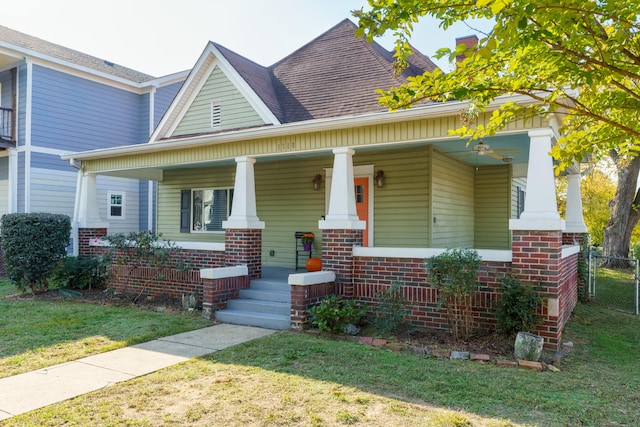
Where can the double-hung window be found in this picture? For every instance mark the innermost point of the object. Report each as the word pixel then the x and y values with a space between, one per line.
pixel 115 205
pixel 207 209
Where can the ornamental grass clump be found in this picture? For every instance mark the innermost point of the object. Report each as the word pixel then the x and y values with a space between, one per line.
pixel 454 274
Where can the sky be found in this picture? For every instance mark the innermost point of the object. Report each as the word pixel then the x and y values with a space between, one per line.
pixel 160 37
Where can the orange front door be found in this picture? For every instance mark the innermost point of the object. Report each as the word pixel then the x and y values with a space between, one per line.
pixel 362 205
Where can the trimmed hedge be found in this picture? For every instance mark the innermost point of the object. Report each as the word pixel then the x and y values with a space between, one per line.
pixel 32 245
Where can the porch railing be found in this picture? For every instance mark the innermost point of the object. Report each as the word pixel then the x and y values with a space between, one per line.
pixel 6 124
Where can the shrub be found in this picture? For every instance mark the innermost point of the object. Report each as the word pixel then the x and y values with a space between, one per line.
pixel 454 274
pixel 391 314
pixel 334 313
pixel 518 308
pixel 142 249
pixel 32 244
pixel 79 273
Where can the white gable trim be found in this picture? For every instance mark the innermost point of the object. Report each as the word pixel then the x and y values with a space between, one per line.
pixel 208 61
pixel 241 84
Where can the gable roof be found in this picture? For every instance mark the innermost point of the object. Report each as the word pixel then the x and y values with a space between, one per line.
pixel 25 41
pixel 334 75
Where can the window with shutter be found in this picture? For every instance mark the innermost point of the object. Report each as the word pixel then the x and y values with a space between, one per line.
pixel 204 210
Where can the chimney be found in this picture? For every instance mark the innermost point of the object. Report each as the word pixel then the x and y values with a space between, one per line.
pixel 468 42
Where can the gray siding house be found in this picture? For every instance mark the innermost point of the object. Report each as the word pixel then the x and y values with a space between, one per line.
pixel 53 101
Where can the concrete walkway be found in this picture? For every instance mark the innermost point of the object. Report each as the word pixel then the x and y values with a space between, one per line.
pixel 32 390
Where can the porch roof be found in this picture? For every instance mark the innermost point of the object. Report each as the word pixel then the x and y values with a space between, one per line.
pixel 428 124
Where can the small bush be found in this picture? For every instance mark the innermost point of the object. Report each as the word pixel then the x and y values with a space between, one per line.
pixel 334 313
pixel 518 308
pixel 454 274
pixel 32 244
pixel 79 273
pixel 391 314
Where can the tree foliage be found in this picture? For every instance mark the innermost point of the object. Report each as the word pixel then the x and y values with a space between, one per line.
pixel 577 59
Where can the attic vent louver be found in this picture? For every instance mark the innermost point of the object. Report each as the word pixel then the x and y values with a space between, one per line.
pixel 216 114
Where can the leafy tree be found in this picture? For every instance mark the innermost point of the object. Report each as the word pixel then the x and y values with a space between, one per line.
pixel 578 59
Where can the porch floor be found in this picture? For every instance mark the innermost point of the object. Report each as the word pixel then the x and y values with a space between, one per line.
pixel 279 273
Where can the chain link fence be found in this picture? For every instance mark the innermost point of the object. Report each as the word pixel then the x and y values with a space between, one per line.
pixel 613 288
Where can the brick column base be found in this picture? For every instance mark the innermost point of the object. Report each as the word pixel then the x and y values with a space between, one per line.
pixel 337 256
pixel 537 260
pixel 244 247
pixel 85 236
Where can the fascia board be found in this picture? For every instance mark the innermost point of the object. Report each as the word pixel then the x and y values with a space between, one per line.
pixel 423 112
pixel 71 68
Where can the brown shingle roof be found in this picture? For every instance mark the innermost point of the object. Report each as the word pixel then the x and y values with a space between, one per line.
pixel 35 44
pixel 336 74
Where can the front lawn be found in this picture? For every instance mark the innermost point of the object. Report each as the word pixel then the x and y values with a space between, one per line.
pixel 36 334
pixel 298 379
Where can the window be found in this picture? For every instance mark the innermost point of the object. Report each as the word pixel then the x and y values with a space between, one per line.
pixel 216 114
pixel 520 201
pixel 115 205
pixel 204 210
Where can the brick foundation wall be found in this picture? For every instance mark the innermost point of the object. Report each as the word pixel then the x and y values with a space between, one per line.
pixel 305 296
pixel 245 247
pixel 216 293
pixel 174 282
pixel 374 275
pixel 568 287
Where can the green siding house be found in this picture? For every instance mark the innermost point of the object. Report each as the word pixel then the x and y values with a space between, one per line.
pixel 248 155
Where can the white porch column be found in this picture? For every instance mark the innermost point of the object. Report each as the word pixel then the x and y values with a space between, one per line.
pixel 87 212
pixel 342 213
pixel 540 206
pixel 573 216
pixel 243 210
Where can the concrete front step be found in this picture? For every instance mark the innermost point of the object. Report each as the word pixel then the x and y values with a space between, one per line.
pixel 270 285
pixel 259 306
pixel 250 318
pixel 265 295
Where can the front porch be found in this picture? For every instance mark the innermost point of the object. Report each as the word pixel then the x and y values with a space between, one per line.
pixel 429 201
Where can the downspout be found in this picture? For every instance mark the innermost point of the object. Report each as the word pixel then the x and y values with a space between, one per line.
pixel 76 208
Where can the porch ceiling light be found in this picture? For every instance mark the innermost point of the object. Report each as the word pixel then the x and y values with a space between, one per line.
pixel 317 180
pixel 481 148
pixel 380 179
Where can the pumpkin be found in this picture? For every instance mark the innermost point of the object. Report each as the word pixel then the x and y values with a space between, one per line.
pixel 314 264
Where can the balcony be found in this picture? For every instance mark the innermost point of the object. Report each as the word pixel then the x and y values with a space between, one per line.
pixel 7 128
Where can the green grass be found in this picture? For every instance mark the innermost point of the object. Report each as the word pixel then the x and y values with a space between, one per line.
pixel 36 334
pixel 616 289
pixel 299 379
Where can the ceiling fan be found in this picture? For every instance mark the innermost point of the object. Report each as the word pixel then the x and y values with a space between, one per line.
pixel 482 149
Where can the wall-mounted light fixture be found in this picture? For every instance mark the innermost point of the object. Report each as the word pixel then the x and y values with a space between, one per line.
pixel 380 179
pixel 317 180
